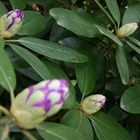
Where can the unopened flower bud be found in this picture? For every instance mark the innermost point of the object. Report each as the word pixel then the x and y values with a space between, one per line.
pixel 39 101
pixel 92 103
pixel 127 29
pixel 10 23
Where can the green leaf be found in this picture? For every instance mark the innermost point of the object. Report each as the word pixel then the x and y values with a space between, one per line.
pixel 77 120
pixel 57 72
pixel 107 128
pixel 122 64
pixel 85 72
pixel 132 14
pixel 7 74
pixel 18 4
pixel 79 23
pixel 114 9
pixel 52 50
pixel 34 61
pixel 109 34
pixel 33 23
pixel 54 131
pixel 135 41
pixel 130 100
pixel 2 44
pixel 3 9
pixel 133 46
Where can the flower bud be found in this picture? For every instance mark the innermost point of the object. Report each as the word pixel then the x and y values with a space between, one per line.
pixel 10 23
pixel 92 104
pixel 39 101
pixel 127 29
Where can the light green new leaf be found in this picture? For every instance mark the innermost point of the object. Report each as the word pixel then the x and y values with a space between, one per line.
pixel 79 23
pixel 55 131
pixel 109 34
pixel 33 60
pixel 114 9
pixel 107 128
pixel 76 119
pixel 7 74
pixel 133 46
pixel 122 64
pixel 130 100
pixel 33 23
pixel 18 4
pixel 52 50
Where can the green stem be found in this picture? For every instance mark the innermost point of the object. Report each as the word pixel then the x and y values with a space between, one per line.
pixel 4 110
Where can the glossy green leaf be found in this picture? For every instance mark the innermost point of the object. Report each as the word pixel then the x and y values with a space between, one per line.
pixel 79 23
pixel 130 100
pixel 133 46
pixel 109 34
pixel 18 4
pixel 132 13
pixel 34 61
pixel 7 74
pixel 52 50
pixel 77 120
pixel 122 64
pixel 57 72
pixel 3 9
pixel 107 128
pixel 54 131
pixel 114 9
pixel 85 73
pixel 33 23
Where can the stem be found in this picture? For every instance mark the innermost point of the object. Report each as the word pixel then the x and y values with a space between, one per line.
pixel 11 41
pixel 28 135
pixel 4 110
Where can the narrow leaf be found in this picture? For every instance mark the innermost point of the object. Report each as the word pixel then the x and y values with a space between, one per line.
pixel 122 64
pixel 7 74
pixel 52 50
pixel 33 60
pixel 114 9
pixel 133 46
pixel 109 34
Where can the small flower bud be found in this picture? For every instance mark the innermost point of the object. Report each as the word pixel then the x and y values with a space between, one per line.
pixel 39 101
pixel 10 23
pixel 92 104
pixel 127 29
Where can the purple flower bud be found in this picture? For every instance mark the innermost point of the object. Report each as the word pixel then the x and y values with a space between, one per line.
pixel 39 101
pixel 10 23
pixel 93 103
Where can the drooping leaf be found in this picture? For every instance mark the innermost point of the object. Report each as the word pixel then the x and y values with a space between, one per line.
pixel 122 64
pixel 52 50
pixel 76 119
pixel 114 9
pixel 7 74
pixel 55 131
pixel 130 100
pixel 79 23
pixel 33 60
pixel 107 128
pixel 109 34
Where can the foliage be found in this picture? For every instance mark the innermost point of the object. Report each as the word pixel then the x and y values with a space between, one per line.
pixel 95 46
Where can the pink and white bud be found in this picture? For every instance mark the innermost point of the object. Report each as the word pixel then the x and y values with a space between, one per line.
pixel 39 101
pixel 10 23
pixel 92 103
